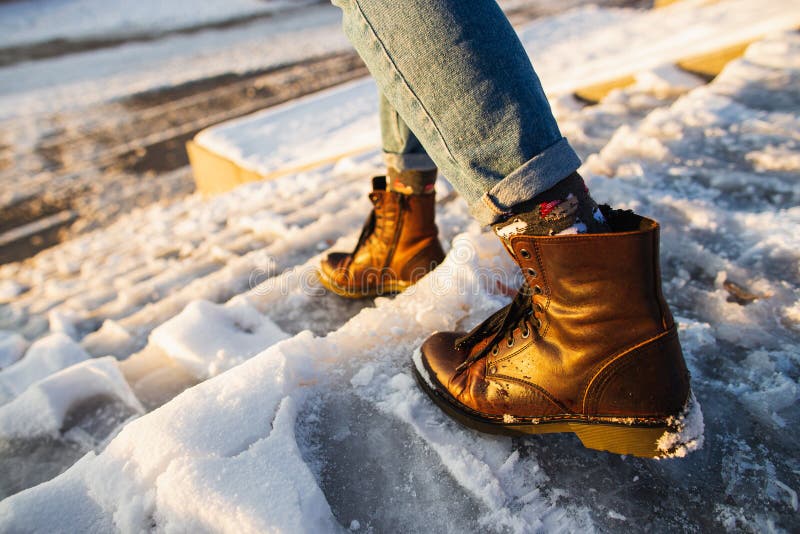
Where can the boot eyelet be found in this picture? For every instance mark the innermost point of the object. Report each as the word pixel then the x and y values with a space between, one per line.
pixel 494 351
pixel 524 254
pixel 537 290
pixel 531 273
pixel 539 308
pixel 510 342
pixel 492 369
pixel 526 333
pixel 538 323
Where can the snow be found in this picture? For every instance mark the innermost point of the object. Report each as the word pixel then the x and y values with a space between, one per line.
pixel 688 436
pixel 42 21
pixel 44 357
pixel 204 450
pixel 657 37
pixel 326 125
pixel 12 348
pixel 42 408
pixel 310 419
pixel 193 337
pixel 9 290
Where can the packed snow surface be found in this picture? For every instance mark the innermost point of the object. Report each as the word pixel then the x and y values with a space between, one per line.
pixel 311 420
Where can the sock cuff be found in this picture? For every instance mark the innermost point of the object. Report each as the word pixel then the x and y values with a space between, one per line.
pixel 411 182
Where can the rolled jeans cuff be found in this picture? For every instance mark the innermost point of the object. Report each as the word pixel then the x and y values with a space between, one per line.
pixel 535 176
pixel 414 161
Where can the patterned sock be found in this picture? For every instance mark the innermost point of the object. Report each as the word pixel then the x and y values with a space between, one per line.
pixel 411 182
pixel 565 208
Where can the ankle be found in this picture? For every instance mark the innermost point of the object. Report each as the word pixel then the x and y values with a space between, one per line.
pixel 411 181
pixel 565 208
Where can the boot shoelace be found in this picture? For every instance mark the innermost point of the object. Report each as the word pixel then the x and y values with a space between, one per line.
pixel 501 323
pixel 371 223
pixel 366 231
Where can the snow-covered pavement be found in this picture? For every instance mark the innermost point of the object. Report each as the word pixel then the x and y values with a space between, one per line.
pixel 305 417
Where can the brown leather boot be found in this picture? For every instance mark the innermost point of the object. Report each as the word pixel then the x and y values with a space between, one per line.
pixel 398 245
pixel 587 346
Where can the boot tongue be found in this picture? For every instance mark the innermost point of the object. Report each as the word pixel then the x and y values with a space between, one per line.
pixel 495 327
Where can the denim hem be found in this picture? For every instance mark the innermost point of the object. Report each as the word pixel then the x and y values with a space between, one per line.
pixel 535 176
pixel 409 162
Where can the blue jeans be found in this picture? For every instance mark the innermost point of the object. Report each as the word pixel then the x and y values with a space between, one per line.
pixel 401 148
pixel 459 77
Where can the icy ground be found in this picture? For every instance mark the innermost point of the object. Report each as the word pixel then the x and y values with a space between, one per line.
pixel 301 413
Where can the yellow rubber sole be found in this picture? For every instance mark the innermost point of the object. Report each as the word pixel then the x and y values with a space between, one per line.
pixel 390 287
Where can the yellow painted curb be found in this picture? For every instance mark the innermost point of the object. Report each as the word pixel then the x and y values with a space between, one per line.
pixel 215 174
pixel 595 93
pixel 711 64
pixel 707 66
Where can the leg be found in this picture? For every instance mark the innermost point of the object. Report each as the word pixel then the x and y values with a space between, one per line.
pixel 588 345
pixel 458 75
pixel 404 154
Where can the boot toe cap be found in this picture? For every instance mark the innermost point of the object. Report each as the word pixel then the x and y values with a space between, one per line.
pixel 334 266
pixel 441 357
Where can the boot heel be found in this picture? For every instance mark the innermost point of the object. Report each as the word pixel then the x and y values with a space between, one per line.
pixel 636 441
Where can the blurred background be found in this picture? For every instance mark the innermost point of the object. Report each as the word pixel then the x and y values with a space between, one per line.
pixel 98 98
